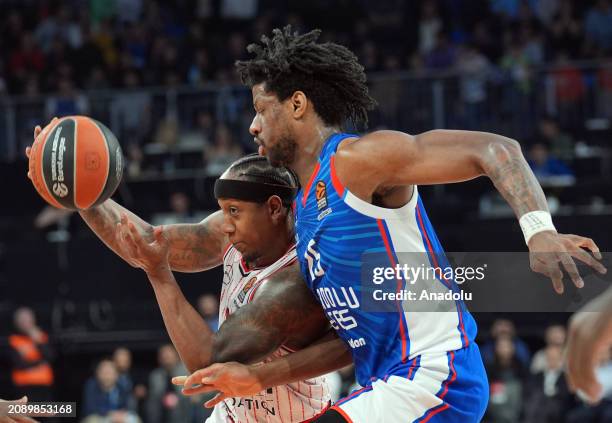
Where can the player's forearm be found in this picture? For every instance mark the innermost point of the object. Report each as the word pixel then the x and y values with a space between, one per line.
pixel 103 220
pixel 315 360
pixel 503 162
pixel 188 331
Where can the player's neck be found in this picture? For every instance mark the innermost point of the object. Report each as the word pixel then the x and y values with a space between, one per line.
pixel 309 149
pixel 274 251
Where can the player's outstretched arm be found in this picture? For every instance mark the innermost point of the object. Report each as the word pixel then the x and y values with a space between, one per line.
pixel 388 159
pixel 238 380
pixel 590 333
pixel 193 247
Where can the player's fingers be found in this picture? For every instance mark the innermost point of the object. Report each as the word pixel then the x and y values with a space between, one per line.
pixel 571 269
pixel 216 400
pixel 28 150
pixel 135 235
pixel 587 259
pixel 587 243
pixel 158 233
pixel 197 390
pixel 193 379
pixel 179 380
pixel 556 276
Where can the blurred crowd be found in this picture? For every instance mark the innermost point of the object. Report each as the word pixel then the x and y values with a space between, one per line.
pixel 67 51
pixel 527 384
pixel 116 391
pixel 54 46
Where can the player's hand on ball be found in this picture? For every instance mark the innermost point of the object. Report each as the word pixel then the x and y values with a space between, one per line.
pixel 550 253
pixel 37 131
pixel 149 255
pixel 230 379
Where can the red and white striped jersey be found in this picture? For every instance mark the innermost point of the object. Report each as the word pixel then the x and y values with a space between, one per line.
pixel 295 402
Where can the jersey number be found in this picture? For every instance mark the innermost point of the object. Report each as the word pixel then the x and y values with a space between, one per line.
pixel 313 258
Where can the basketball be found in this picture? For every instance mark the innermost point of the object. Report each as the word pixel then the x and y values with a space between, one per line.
pixel 76 163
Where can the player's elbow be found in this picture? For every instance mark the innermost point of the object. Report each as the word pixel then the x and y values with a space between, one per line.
pixel 247 350
pixel 499 150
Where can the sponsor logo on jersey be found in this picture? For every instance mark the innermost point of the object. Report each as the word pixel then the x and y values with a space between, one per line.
pixel 324 213
pixel 245 290
pixel 321 195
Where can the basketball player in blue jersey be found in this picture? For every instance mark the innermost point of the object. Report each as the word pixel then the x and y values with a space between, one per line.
pixel 359 194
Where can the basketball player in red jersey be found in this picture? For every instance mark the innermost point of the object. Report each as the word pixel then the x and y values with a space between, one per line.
pixel 266 310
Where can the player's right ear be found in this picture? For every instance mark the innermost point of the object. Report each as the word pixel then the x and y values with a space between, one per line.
pixel 299 103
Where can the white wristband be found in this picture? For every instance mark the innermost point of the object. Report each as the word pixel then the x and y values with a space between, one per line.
pixel 535 222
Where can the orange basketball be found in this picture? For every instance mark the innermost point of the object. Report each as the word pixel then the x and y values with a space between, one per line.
pixel 76 164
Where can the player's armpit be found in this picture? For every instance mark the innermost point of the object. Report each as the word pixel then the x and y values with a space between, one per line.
pixel 282 312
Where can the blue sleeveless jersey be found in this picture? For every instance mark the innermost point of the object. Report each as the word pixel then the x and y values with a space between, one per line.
pixel 334 229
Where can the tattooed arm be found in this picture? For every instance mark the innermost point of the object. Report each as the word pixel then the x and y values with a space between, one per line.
pixel 283 311
pixel 193 247
pixel 389 162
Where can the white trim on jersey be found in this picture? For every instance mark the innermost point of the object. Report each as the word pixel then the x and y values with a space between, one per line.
pixel 376 212
pixel 429 330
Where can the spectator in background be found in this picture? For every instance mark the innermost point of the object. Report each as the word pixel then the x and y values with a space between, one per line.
pixel 604 92
pixel 506 379
pixel 505 328
pixel 570 90
pixel 548 398
pixel 561 143
pixel 545 165
pixel 208 306
pixel 223 152
pixel 166 404
pixel 105 399
pixel 25 59
pixel 122 358
pixel 474 70
pixel 554 336
pixel 430 25
pixel 66 102
pixel 598 27
pixel 443 55
pixel 30 357
pixel 131 111
pixel 565 31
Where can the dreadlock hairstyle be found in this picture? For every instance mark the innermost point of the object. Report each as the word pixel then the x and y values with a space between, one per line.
pixel 328 73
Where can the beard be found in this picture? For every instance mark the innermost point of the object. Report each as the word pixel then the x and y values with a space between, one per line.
pixel 283 153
